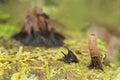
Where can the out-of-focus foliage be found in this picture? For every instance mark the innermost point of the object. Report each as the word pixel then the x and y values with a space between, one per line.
pixel 75 15
pixel 81 13
pixel 7 31
pixel 117 60
pixel 16 9
pixel 102 48
pixel 4 16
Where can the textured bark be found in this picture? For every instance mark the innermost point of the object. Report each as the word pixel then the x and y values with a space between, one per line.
pixel 94 53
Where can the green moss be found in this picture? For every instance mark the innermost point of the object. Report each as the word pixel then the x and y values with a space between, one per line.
pixel 20 63
pixel 7 30
pixel 4 16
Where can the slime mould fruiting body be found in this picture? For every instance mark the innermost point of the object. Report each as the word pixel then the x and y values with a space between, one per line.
pixel 96 62
pixel 37 30
pixel 70 57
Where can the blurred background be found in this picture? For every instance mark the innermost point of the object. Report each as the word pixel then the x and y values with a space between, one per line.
pixel 77 14
pixel 100 17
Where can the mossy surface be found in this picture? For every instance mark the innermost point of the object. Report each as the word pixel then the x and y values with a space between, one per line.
pixel 19 62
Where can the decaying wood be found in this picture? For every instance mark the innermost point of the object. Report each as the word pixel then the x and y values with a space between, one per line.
pixel 94 53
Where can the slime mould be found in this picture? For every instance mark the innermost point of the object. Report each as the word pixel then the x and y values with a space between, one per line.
pixel 37 30
pixel 70 57
pixel 96 62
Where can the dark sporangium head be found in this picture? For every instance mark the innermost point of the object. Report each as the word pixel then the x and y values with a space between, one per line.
pixel 70 57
